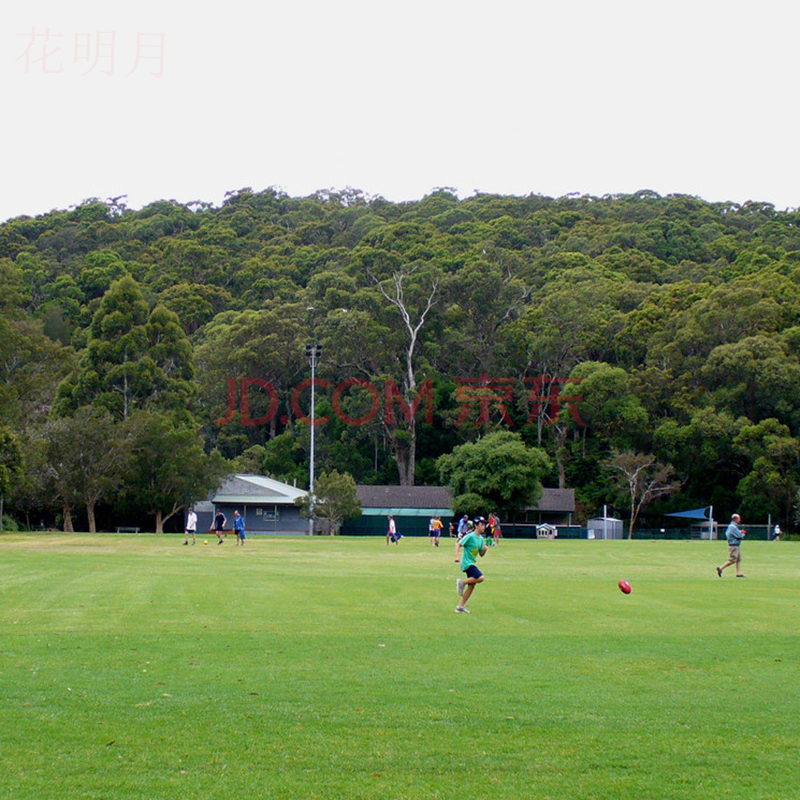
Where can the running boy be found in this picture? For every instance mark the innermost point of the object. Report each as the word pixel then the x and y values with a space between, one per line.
pixel 469 547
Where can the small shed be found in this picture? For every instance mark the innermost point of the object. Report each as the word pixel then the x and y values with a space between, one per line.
pixel 705 530
pixel 703 525
pixel 605 528
pixel 546 531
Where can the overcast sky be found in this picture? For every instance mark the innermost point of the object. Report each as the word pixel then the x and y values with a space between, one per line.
pixel 189 100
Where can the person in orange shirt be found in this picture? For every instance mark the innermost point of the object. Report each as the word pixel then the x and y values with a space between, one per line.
pixel 436 530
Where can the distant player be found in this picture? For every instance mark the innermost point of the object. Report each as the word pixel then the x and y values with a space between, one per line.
pixel 468 548
pixel 220 521
pixel 191 527
pixel 494 528
pixel 734 534
pixel 392 535
pixel 238 528
pixel 437 530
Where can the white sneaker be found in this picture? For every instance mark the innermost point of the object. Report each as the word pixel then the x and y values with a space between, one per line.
pixel 460 586
pixel 462 610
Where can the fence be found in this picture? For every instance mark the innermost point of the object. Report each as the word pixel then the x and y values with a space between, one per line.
pixel 377 526
pixel 418 526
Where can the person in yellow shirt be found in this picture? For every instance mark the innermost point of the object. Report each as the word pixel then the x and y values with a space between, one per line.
pixel 436 530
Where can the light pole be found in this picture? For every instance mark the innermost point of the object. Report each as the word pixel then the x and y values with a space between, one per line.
pixel 313 352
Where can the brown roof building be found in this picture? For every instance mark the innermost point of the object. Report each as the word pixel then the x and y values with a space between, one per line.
pixel 413 506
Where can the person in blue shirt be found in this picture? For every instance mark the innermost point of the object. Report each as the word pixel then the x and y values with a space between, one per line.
pixel 238 528
pixel 734 534
pixel 468 548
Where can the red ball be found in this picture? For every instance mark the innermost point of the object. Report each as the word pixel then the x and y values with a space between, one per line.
pixel 625 587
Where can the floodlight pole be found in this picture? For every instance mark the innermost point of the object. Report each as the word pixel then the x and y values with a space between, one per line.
pixel 313 352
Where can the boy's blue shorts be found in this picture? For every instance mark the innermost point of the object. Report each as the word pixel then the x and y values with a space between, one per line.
pixel 473 572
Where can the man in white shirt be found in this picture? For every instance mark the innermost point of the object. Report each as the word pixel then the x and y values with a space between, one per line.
pixel 392 535
pixel 191 527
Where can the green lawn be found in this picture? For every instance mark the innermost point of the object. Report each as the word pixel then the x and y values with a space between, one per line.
pixel 133 667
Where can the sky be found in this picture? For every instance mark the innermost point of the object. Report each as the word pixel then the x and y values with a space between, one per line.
pixel 189 100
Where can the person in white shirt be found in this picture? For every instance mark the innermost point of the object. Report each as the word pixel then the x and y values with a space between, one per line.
pixel 191 527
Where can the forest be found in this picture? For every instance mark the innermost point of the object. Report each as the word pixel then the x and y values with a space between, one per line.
pixel 144 353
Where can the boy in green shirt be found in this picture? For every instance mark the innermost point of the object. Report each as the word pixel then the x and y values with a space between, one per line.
pixel 468 548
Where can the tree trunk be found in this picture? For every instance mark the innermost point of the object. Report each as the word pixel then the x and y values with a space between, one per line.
pixel 402 471
pixel 560 454
pixel 405 464
pixel 411 472
pixel 90 515
pixel 125 392
pixel 406 456
pixel 66 510
pixel 175 509
pixel 161 517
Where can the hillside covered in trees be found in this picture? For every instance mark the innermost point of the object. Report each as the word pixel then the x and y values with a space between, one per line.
pixel 143 353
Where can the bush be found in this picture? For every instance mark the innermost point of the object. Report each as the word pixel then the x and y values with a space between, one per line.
pixel 10 525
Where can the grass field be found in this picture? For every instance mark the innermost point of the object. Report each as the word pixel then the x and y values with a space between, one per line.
pixel 133 667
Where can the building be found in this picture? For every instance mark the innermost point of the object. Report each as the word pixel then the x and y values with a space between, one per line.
pixel 555 507
pixel 605 528
pixel 267 505
pixel 411 506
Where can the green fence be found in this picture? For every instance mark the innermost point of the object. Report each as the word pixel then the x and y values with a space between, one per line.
pixel 378 526
pixel 754 533
pixel 418 526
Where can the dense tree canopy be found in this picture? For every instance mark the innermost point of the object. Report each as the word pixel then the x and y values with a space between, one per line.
pixel 11 464
pixel 496 473
pixel 667 326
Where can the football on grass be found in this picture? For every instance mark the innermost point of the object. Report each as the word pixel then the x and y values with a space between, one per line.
pixel 625 587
